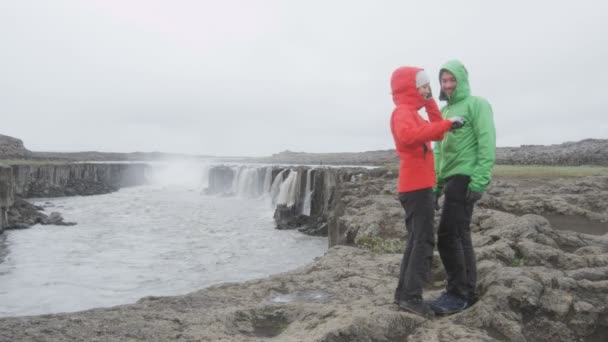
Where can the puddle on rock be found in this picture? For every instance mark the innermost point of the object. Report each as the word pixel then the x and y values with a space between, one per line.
pixel 308 296
pixel 577 224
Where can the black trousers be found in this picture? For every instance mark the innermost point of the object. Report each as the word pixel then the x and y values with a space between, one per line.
pixel 454 238
pixel 418 255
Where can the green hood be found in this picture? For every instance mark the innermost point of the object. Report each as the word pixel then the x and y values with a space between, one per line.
pixel 463 89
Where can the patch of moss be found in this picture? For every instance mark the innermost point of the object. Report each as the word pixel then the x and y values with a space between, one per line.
pixel 380 245
pixel 391 166
pixel 518 262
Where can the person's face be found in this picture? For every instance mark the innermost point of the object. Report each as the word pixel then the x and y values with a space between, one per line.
pixel 448 83
pixel 425 91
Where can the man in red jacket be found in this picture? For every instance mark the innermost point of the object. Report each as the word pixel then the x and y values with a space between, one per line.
pixel 412 135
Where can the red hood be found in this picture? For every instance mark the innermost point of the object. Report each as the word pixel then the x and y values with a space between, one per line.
pixel 403 86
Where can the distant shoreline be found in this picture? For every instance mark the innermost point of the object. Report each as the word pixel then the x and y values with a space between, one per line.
pixel 584 152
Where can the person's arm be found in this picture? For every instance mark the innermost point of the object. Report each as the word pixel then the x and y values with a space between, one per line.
pixel 437 156
pixel 433 111
pixel 485 132
pixel 410 132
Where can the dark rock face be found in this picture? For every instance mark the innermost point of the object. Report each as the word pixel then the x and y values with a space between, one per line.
pixel 23 215
pixel 287 217
pixel 20 181
pixel 75 179
pixel 7 195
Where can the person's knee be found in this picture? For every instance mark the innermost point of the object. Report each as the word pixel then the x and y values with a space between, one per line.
pixel 448 233
pixel 444 242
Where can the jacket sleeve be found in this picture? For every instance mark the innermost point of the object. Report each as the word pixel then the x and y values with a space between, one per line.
pixel 485 132
pixel 433 111
pixel 409 132
pixel 437 156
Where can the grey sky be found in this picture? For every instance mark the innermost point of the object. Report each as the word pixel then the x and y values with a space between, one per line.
pixel 257 77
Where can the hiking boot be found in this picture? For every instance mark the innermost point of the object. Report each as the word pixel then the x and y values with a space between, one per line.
pixel 448 304
pixel 417 306
pixel 472 300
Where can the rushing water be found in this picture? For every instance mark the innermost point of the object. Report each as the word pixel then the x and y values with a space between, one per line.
pixel 165 238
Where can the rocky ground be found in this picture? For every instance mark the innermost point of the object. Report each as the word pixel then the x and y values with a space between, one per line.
pixel 580 202
pixel 373 218
pixel 536 283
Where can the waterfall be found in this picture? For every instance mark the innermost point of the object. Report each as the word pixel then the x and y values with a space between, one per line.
pixel 256 181
pixel 249 182
pixel 267 180
pixel 235 180
pixel 289 190
pixel 276 187
pixel 308 194
pixel 205 177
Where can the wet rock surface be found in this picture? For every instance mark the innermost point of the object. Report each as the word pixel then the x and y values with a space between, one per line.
pixel 535 284
pixel 23 214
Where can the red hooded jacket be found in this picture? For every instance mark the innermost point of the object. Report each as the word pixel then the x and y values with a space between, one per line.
pixel 412 134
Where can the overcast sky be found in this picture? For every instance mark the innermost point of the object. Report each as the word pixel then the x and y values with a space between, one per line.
pixel 258 77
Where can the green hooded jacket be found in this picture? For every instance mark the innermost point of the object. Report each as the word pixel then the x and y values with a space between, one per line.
pixel 470 150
